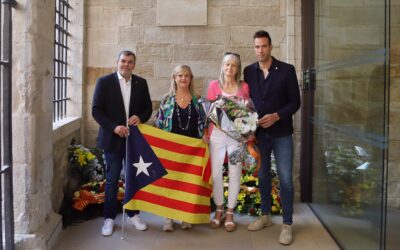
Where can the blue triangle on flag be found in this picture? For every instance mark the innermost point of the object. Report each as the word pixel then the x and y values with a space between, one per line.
pixel 142 165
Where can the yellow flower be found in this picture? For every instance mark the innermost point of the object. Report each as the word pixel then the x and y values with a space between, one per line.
pixel 90 156
pixel 274 209
pixel 81 160
pixel 226 193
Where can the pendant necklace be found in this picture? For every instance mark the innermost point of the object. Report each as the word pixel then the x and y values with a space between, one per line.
pixel 179 116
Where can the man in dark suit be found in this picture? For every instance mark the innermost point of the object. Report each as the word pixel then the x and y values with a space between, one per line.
pixel 275 93
pixel 120 99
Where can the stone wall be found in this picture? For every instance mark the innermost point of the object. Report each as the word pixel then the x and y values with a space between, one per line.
pixel 32 71
pixel 115 25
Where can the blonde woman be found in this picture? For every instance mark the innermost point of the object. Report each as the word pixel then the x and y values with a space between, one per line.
pixel 229 84
pixel 180 113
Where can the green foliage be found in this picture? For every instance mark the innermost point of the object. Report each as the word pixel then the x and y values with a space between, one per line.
pixel 353 177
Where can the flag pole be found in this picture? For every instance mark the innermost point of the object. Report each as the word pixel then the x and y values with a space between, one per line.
pixel 124 169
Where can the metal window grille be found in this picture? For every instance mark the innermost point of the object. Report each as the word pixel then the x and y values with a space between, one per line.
pixel 6 187
pixel 60 60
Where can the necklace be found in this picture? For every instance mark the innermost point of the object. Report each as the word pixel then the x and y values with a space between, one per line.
pixel 179 117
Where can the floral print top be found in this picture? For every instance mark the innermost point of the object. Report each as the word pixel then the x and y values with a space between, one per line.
pixel 163 118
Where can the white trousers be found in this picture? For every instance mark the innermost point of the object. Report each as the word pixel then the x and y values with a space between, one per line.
pixel 220 144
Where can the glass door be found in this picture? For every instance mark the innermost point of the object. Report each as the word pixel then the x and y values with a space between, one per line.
pixel 349 120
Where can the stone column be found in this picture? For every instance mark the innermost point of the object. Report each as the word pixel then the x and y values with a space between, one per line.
pixel 36 225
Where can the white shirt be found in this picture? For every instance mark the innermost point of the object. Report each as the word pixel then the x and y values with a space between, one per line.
pixel 126 93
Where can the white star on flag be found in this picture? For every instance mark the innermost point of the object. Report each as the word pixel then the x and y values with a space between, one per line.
pixel 142 166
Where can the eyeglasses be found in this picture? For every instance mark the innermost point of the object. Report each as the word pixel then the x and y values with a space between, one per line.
pixel 231 53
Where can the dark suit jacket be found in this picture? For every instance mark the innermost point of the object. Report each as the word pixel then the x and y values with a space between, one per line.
pixel 282 95
pixel 109 112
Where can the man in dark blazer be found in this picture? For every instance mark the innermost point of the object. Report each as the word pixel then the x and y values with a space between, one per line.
pixel 120 99
pixel 275 93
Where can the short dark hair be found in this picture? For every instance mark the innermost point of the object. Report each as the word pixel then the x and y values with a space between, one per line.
pixel 127 53
pixel 262 33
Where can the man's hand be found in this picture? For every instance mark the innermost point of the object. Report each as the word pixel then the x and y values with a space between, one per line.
pixel 134 120
pixel 122 131
pixel 268 120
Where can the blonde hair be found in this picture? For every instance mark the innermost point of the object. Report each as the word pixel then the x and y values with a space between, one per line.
pixel 236 59
pixel 177 69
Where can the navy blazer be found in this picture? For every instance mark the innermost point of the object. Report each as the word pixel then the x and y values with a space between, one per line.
pixel 282 95
pixel 109 111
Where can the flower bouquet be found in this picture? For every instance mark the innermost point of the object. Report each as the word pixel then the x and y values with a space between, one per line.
pixel 93 193
pixel 87 163
pixel 238 118
pixel 235 116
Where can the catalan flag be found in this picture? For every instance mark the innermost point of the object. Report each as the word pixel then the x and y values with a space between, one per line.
pixel 184 192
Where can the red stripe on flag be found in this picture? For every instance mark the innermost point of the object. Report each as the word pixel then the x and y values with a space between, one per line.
pixel 207 172
pixel 182 167
pixel 171 203
pixel 174 147
pixel 183 186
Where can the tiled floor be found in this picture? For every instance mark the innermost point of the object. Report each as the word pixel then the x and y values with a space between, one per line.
pixel 309 234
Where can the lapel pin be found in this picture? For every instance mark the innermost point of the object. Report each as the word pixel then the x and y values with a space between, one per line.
pixel 276 68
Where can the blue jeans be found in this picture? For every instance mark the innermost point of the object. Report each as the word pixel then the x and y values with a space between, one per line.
pixel 114 165
pixel 282 148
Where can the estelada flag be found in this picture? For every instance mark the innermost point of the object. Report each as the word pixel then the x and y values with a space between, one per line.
pixel 184 192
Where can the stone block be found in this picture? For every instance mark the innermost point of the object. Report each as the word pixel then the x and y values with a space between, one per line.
pixel 210 69
pixel 395 92
pixel 158 88
pixel 102 35
pixel 260 16
pixel 214 16
pixel 200 87
pixel 120 3
pixel 290 8
pixel 144 16
pixel 394 156
pixel 145 70
pixel 170 35
pixel 394 121
pixel 350 36
pixel 164 69
pixel 155 52
pixel 117 17
pixel 90 138
pixel 198 52
pixel 207 35
pixel 181 12
pixel 224 2
pixel 259 3
pixel 129 35
pixel 94 17
pixel 106 55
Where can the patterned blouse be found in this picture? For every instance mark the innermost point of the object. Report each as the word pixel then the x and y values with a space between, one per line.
pixel 163 118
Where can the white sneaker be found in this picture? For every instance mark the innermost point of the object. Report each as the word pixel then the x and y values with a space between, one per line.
pixel 108 227
pixel 285 238
pixel 261 222
pixel 136 222
pixel 168 225
pixel 186 225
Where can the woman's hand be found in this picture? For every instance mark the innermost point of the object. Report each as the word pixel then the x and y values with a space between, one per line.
pixel 206 139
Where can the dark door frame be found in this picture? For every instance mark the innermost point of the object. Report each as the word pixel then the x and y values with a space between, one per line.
pixel 307 107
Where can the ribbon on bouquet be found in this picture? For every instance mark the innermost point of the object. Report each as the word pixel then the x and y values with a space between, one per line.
pixel 254 152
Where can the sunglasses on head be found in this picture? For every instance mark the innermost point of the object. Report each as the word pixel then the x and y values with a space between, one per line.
pixel 231 53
